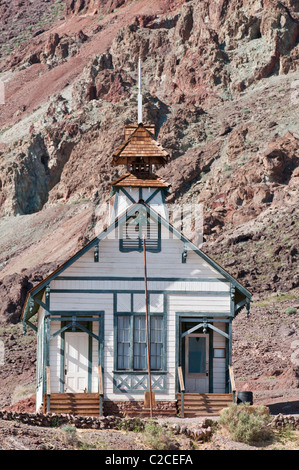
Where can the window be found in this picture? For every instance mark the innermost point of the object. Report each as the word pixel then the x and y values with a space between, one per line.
pixel 123 342
pixel 196 355
pixel 139 342
pixel 131 345
pixel 136 226
pixel 156 342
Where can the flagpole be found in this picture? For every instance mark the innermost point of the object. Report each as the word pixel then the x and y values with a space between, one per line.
pixel 147 332
pixel 139 93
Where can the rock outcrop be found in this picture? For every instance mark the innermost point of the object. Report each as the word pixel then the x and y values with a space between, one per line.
pixel 220 82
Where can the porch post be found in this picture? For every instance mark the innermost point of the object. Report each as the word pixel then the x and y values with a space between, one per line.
pixel 47 347
pixel 230 334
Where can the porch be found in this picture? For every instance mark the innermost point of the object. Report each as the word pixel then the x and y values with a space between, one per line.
pixel 93 404
pixel 88 404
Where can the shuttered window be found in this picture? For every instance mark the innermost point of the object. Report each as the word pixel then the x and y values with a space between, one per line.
pixel 133 231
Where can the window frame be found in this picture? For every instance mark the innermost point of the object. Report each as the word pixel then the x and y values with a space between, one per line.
pixel 123 247
pixel 132 317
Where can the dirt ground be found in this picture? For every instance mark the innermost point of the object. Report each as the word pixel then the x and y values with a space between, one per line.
pixel 18 436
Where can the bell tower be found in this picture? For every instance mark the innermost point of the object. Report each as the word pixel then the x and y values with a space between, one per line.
pixel 141 154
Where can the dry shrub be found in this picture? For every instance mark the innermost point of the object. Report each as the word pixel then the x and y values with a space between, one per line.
pixel 245 423
pixel 156 437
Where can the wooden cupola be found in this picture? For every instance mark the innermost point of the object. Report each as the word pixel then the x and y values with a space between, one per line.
pixel 140 152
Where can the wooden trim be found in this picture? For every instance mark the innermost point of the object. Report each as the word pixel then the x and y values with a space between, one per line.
pixel 132 372
pixel 153 195
pixel 132 209
pixel 48 381
pixel 109 291
pixel 128 195
pixel 149 279
pixel 232 378
pixel 181 378
pixel 219 357
pixel 101 387
pixel 48 385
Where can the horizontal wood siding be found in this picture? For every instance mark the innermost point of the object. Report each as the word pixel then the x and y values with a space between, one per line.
pixel 40 359
pixel 167 263
pixel 95 359
pixel 219 364
pixel 55 357
pixel 216 287
pixel 193 286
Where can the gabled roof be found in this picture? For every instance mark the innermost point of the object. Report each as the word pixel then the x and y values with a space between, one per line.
pixel 140 180
pixel 119 221
pixel 141 143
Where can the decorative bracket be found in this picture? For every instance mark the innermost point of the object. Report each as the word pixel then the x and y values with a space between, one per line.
pixel 232 293
pixel 184 254
pixel 47 295
pixel 74 323
pixel 248 307
pixel 96 253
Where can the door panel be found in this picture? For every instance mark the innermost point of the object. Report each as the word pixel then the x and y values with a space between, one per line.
pixel 197 363
pixel 76 362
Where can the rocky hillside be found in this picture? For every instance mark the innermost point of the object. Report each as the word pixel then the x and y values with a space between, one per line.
pixel 221 84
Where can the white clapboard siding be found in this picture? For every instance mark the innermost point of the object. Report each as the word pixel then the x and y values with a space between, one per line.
pixel 55 357
pixel 196 275
pixel 123 202
pixel 219 371
pixel 198 303
pixel 40 345
pixel 156 285
pixel 95 359
pixel 167 263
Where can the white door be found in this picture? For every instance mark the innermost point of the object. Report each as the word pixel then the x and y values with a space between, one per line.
pixel 76 362
pixel 197 363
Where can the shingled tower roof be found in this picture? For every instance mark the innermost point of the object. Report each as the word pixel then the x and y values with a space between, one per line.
pixel 140 145
pixel 140 152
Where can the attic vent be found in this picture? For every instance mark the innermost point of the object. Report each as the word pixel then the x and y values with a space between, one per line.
pixel 131 234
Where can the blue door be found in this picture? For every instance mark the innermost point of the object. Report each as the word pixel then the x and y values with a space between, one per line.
pixel 197 363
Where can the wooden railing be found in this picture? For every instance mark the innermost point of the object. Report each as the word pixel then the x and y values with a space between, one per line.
pixel 101 388
pixel 182 388
pixel 232 382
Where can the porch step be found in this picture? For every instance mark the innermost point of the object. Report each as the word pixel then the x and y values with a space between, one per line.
pixel 146 412
pixel 85 404
pixel 204 404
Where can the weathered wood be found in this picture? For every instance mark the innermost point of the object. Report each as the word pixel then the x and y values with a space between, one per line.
pixel 101 388
pixel 86 404
pixel 181 379
pixel 149 402
pixel 232 378
pixel 211 404
pixel 48 380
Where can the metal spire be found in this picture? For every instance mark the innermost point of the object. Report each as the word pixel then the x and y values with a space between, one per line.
pixel 139 93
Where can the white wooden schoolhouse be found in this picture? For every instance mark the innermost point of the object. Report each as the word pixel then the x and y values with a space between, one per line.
pixel 140 318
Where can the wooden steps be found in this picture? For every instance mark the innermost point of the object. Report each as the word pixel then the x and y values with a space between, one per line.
pixel 204 404
pixel 88 404
pixel 84 404
pixel 146 413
